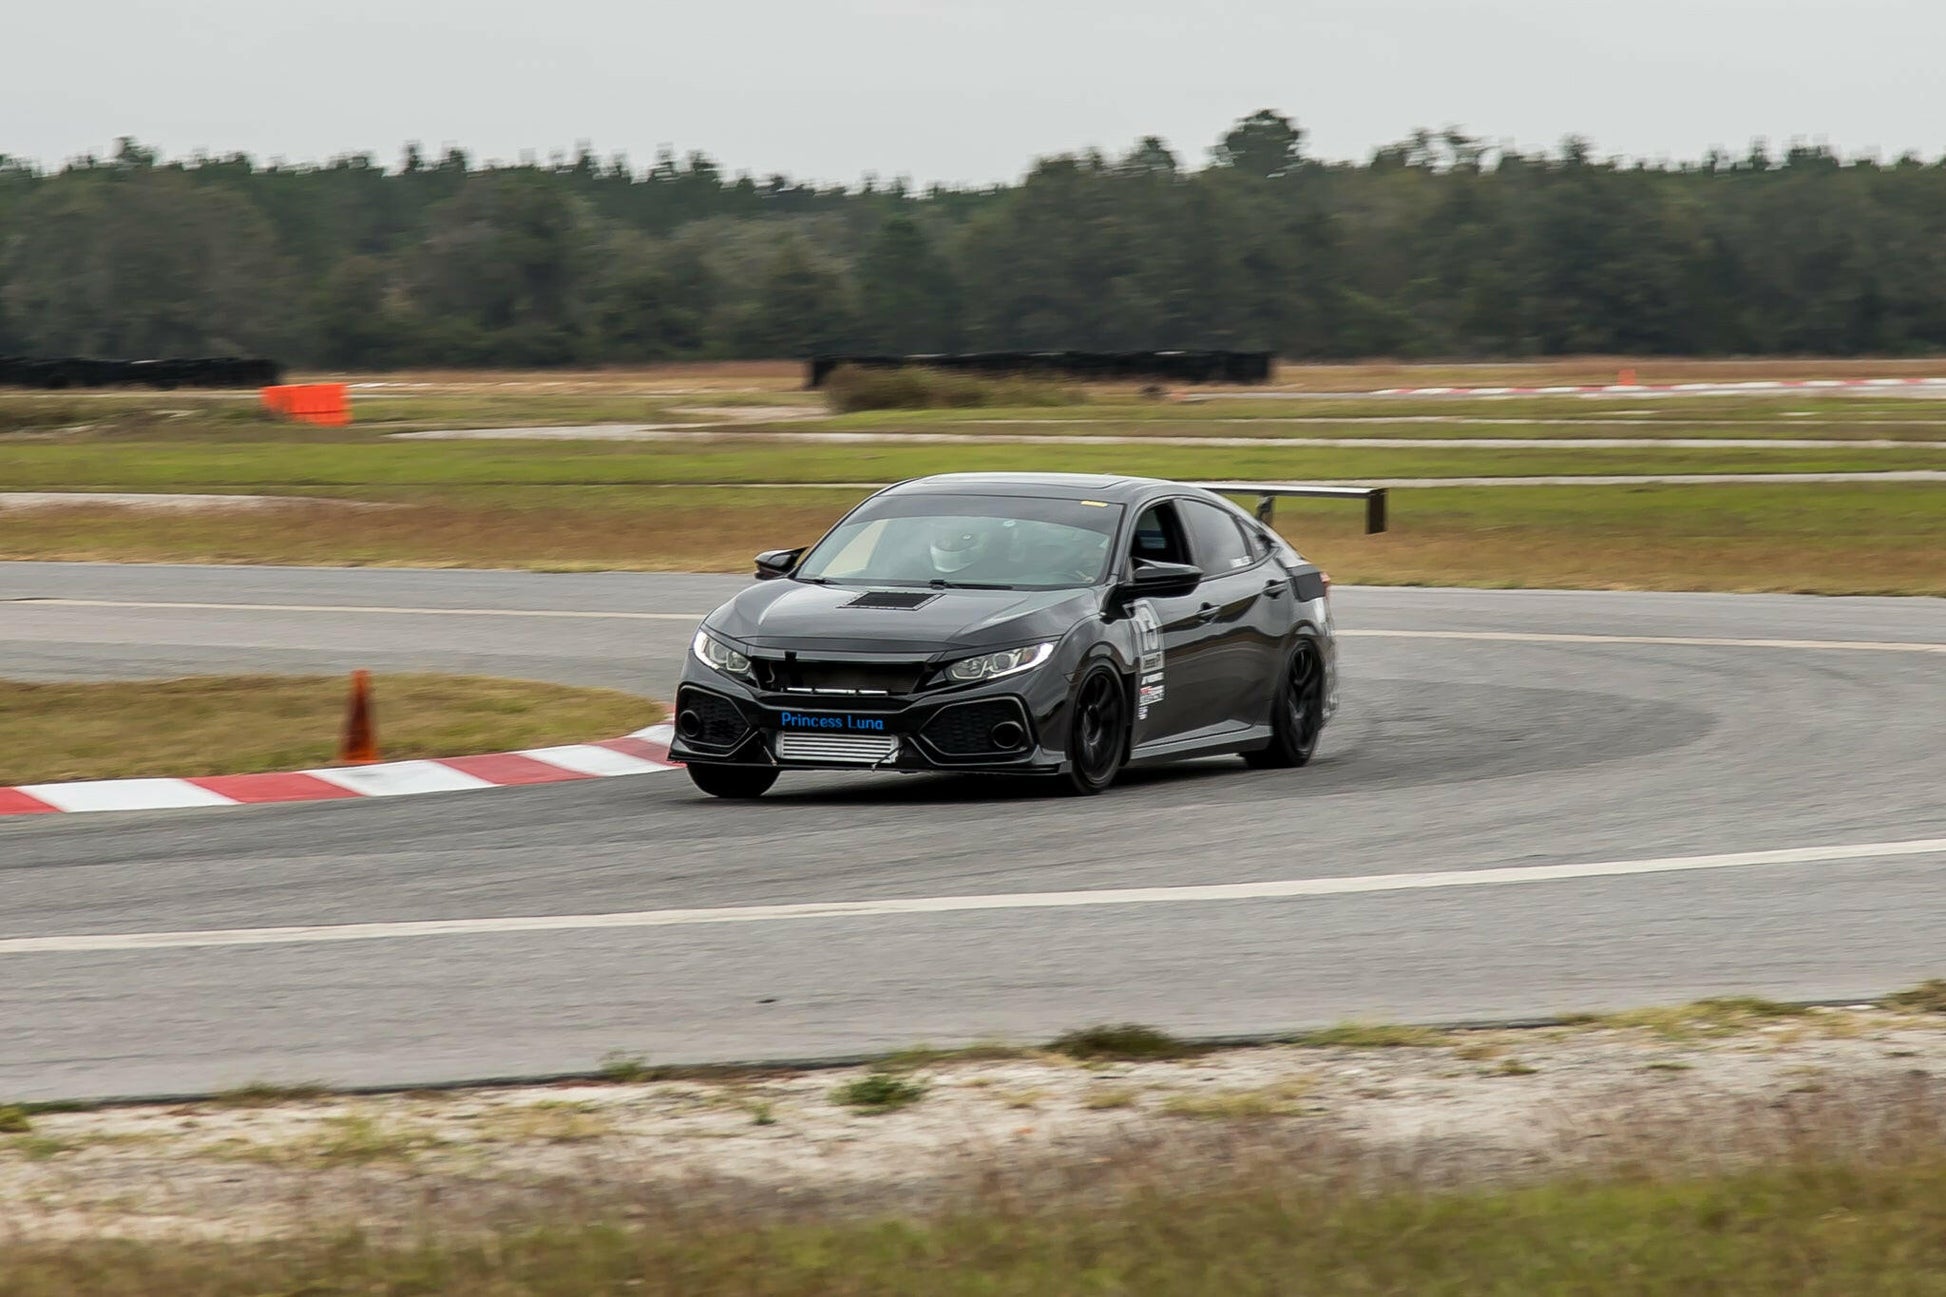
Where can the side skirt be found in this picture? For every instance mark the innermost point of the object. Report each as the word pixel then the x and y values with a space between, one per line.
pixel 1225 742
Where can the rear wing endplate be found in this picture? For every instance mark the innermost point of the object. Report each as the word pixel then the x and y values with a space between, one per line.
pixel 1269 493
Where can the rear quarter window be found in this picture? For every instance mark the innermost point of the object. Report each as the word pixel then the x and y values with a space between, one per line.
pixel 1215 539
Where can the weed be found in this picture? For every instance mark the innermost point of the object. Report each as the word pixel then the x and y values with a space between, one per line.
pixel 1371 1035
pixel 14 1120
pixel 1927 997
pixel 762 1113
pixel 268 1094
pixel 1100 1100
pixel 1668 1065
pixel 40 1148
pixel 1718 1016
pixel 879 1092
pixel 1281 1100
pixel 358 1138
pixel 547 1123
pixel 1513 1067
pixel 1478 1051
pixel 914 1057
pixel 1128 1041
pixel 624 1068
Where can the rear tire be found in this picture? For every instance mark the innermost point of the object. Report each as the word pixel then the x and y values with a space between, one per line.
pixel 736 783
pixel 1097 733
pixel 1297 712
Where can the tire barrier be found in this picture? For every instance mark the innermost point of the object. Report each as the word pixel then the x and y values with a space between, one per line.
pixel 59 373
pixel 1096 366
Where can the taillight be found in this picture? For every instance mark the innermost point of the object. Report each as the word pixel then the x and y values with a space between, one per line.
pixel 1326 576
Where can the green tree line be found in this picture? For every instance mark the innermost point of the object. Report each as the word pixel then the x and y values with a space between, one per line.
pixel 1437 246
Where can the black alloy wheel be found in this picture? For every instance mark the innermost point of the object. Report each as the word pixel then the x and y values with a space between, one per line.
pixel 737 783
pixel 1297 715
pixel 1098 736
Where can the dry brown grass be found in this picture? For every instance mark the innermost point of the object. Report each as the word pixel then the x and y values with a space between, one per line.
pixel 243 724
pixel 1746 538
pixel 1816 539
pixel 1568 371
pixel 663 535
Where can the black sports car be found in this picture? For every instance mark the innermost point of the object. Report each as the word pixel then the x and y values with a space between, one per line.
pixel 1051 624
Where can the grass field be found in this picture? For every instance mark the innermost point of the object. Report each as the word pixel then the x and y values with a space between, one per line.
pixel 245 724
pixel 1834 1229
pixel 652 505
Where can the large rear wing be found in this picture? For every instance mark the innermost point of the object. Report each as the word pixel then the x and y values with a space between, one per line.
pixel 1269 493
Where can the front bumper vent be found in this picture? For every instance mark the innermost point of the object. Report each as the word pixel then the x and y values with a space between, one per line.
pixel 709 720
pixel 992 727
pixel 851 749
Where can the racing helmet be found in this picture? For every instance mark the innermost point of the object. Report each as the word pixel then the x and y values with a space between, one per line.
pixel 957 543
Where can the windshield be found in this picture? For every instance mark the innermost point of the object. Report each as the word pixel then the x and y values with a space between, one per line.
pixel 1004 541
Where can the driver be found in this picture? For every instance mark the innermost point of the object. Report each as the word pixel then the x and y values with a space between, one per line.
pixel 1002 551
pixel 959 544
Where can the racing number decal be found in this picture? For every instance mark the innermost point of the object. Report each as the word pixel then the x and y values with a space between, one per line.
pixel 1148 645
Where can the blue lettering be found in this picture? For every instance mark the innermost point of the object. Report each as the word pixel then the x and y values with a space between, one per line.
pixel 800 721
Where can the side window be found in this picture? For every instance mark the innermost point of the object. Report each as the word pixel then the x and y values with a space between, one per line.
pixel 1215 539
pixel 1158 537
pixel 1257 543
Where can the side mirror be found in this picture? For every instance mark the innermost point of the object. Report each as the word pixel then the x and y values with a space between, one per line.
pixel 773 563
pixel 1162 579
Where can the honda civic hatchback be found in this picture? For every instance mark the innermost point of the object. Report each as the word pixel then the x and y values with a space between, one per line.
pixel 1063 626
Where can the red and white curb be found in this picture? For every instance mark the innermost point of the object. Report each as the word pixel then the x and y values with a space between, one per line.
pixel 1718 388
pixel 643 752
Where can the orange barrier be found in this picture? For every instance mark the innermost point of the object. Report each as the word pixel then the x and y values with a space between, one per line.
pixel 325 403
pixel 359 746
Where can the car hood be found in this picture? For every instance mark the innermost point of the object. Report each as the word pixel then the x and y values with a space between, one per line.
pixel 795 615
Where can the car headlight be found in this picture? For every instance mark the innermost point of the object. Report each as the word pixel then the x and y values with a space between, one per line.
pixel 989 666
pixel 714 653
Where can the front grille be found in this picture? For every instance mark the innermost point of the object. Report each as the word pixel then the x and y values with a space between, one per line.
pixel 861 749
pixel 966 730
pixel 788 675
pixel 717 724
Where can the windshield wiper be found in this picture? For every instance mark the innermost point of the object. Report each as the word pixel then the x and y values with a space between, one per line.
pixel 940 583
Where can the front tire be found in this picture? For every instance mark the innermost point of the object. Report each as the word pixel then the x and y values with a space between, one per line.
pixel 1097 733
pixel 735 783
pixel 1297 712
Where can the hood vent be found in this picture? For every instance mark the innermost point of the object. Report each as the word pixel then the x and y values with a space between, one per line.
pixel 893 599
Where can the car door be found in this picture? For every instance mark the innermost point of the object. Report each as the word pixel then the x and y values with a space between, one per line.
pixel 1236 653
pixel 1169 691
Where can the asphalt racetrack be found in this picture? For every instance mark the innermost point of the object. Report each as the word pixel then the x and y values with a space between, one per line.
pixel 1530 803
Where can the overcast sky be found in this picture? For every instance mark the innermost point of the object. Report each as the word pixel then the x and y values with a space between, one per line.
pixel 965 90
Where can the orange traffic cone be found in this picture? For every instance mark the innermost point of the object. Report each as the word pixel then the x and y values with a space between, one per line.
pixel 360 744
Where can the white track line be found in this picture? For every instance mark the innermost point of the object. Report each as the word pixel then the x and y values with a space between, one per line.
pixel 1687 641
pixel 1507 637
pixel 1284 890
pixel 364 609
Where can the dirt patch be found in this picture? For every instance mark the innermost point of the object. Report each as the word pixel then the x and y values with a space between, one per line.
pixel 1482 1106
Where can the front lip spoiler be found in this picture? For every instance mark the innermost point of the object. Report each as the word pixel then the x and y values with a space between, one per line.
pixel 906 715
